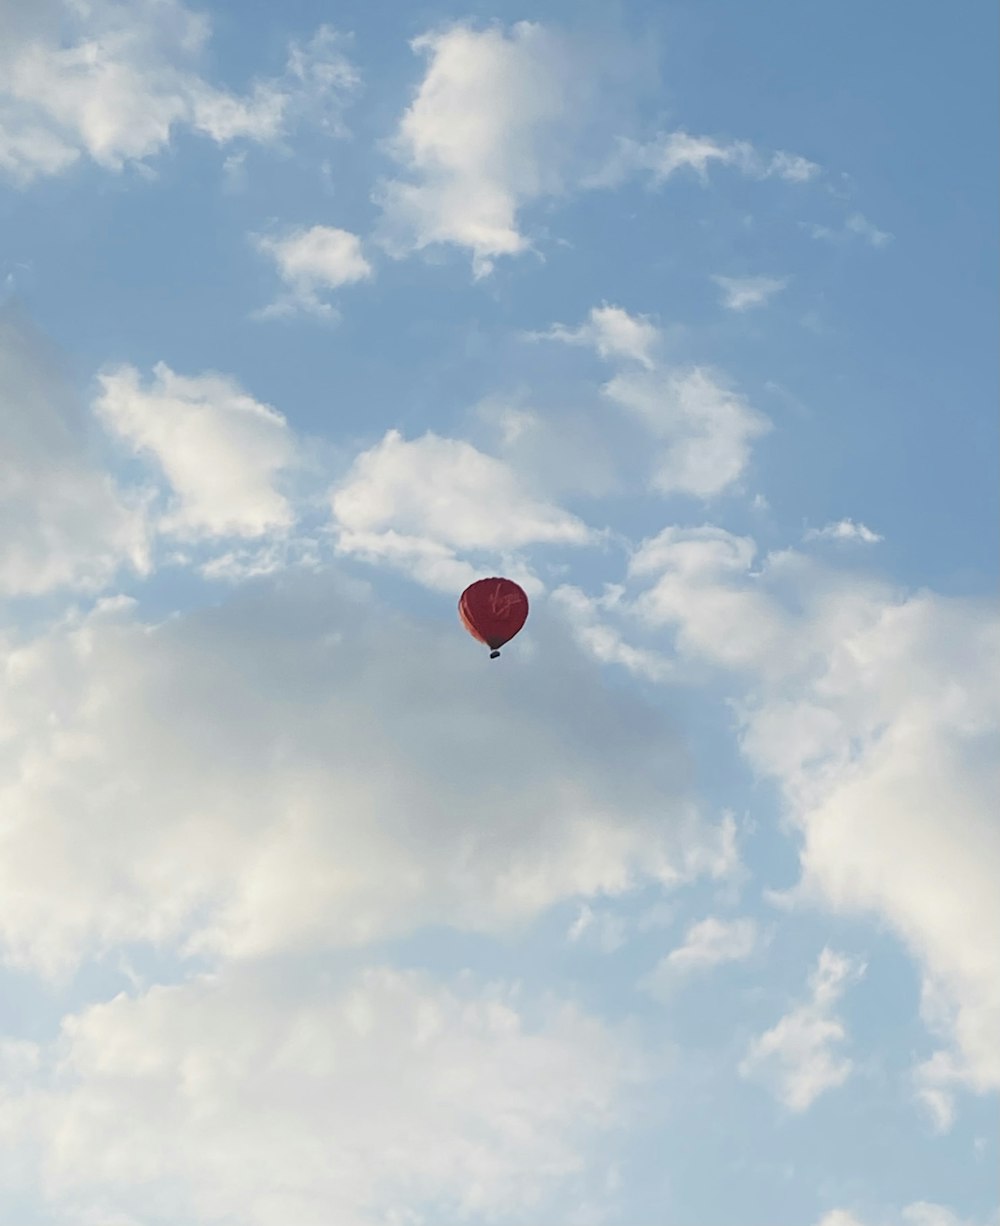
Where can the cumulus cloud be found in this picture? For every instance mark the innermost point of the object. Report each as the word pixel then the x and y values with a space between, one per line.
pixel 693 581
pixel 424 503
pixel 220 450
pixel 310 261
pixel 705 428
pixel 707 943
pixel 876 712
pixel 500 119
pixel 66 523
pixel 843 530
pixel 508 116
pixel 798 1058
pixel 296 769
pixel 612 332
pixel 743 293
pixel 272 1098
pixel 113 81
pixel 474 143
pixel 886 763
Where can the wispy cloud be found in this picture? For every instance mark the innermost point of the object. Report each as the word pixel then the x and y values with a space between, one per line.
pixel 612 332
pixel 672 152
pixel 125 77
pixel 709 943
pixel 843 530
pixel 798 1057
pixel 602 928
pixel 920 1213
pixel 856 227
pixel 604 641
pixel 742 293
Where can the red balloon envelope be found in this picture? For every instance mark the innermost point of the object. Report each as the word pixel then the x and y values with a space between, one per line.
pixel 493 610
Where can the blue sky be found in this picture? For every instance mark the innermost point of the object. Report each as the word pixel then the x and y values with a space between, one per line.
pixel 683 913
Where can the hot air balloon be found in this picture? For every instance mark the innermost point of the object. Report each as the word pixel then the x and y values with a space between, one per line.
pixel 493 610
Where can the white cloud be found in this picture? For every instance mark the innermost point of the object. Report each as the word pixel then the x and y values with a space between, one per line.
pixel 28 149
pixel 603 641
pixel 743 293
pixel 886 761
pixel 675 151
pixel 923 1213
pixel 265 556
pixel 920 1213
pixel 562 449
pixel 877 714
pixel 857 226
pixel 670 152
pixel 310 261
pixel 113 81
pixel 843 530
pixel 937 1099
pixel 274 1097
pixel 711 942
pixel 792 167
pixel 320 80
pixel 423 503
pixel 474 141
pixel 706 428
pixel 612 332
pixel 295 769
pixel 508 116
pixel 603 928
pixel 708 943
pixel 66 523
pixel 691 582
pixel 220 450
pixel 497 123
pixel 428 562
pixel 699 590
pixel 798 1057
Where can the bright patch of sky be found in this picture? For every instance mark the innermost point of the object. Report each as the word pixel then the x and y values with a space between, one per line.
pixel 685 910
